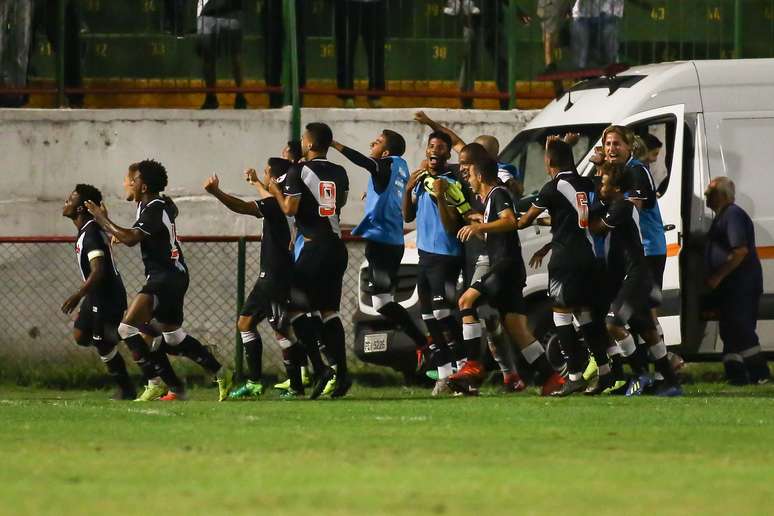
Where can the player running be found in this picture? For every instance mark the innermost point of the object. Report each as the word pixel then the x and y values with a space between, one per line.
pixel 270 295
pixel 102 292
pixel 567 197
pixel 502 285
pixel 382 225
pixel 314 192
pixel 434 197
pixel 162 297
pixel 630 278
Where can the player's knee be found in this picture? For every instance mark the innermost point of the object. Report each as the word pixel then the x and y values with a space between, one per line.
pixel 81 338
pixel 175 337
pixel 126 331
pixel 245 323
pixel 108 353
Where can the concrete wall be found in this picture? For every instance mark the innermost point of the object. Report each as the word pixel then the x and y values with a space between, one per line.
pixel 44 153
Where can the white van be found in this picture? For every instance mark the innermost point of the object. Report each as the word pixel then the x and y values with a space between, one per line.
pixel 715 118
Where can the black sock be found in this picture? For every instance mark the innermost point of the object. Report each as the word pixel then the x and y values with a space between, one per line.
pixel 115 365
pixel 307 337
pixel 453 333
pixel 436 331
pixel 151 364
pixel 471 335
pixel 253 358
pixel 638 361
pixel 335 343
pixel 195 350
pixel 616 367
pixel 543 369
pixel 568 341
pixel 292 358
pixel 597 340
pixel 757 367
pixel 400 316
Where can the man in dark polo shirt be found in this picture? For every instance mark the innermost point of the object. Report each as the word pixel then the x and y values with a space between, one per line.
pixel 736 283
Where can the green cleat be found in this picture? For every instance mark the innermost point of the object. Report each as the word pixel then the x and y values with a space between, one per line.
pixel 153 391
pixel 225 382
pixel 432 374
pixel 619 387
pixel 249 390
pixel 591 370
pixel 306 381
pixel 329 387
pixel 290 394
pixel 283 386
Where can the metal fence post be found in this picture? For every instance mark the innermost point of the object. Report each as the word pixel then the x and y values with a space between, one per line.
pixel 60 54
pixel 291 61
pixel 240 299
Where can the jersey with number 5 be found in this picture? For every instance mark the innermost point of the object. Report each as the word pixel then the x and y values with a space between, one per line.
pixel 322 187
pixel 567 198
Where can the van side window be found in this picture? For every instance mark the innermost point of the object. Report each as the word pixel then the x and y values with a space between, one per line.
pixel 664 130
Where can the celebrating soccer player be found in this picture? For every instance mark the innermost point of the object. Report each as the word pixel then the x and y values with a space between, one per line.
pixel 314 192
pixel 162 297
pixel 102 292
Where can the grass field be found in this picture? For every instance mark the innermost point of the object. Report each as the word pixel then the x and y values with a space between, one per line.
pixel 388 451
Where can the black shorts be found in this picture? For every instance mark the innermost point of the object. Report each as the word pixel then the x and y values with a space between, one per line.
pixel 571 288
pixel 94 316
pixel 318 275
pixel 503 285
pixel 168 290
pixel 383 265
pixel 633 302
pixel 657 264
pixel 265 292
pixel 437 280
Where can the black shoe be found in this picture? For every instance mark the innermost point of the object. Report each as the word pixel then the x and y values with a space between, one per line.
pixel 240 102
pixel 604 381
pixel 343 385
pixel 124 393
pixel 570 387
pixel 210 102
pixel 321 381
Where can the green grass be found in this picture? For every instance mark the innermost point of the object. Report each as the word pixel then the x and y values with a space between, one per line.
pixel 388 451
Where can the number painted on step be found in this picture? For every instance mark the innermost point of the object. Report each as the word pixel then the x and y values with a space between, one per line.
pixel 149 6
pixel 101 49
pixel 658 14
pixel 440 52
pixel 327 50
pixel 713 14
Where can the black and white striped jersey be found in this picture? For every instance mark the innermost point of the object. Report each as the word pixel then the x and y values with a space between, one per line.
pixel 93 243
pixel 161 251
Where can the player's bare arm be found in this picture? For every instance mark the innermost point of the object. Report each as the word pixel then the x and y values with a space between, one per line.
pixel 127 236
pixel 409 208
pixel 528 218
pixel 97 273
pixel 537 259
pixel 457 142
pixel 505 223
pixel 212 187
pixel 288 204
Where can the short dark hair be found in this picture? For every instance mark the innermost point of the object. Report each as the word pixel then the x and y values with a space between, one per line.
pixel 396 145
pixel 651 142
pixel 152 173
pixel 321 136
pixel 440 135
pixel 615 173
pixel 278 167
pixel 475 151
pixel 88 193
pixel 294 150
pixel 560 155
pixel 487 167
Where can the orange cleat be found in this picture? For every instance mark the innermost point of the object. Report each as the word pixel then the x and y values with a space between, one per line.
pixel 171 396
pixel 552 384
pixel 468 379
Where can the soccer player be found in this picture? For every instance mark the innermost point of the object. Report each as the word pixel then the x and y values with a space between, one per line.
pixel 162 297
pixel 382 225
pixel 102 292
pixel 314 192
pixel 502 285
pixel 567 197
pixel 270 295
pixel 630 277
pixel 434 197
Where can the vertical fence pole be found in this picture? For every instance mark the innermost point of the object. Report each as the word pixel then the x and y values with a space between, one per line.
pixel 737 29
pixel 60 53
pixel 511 26
pixel 240 299
pixel 291 62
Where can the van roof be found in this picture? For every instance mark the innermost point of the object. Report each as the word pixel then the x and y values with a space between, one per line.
pixel 710 86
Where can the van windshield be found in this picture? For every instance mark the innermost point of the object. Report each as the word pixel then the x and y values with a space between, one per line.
pixel 527 149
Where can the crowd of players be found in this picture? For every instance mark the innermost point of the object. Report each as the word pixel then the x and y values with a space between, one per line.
pixel 607 260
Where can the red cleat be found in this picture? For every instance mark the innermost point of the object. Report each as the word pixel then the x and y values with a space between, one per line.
pixel 171 396
pixel 512 382
pixel 423 355
pixel 468 379
pixel 552 384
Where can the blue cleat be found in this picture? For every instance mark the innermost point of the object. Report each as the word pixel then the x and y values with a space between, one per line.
pixel 638 385
pixel 670 391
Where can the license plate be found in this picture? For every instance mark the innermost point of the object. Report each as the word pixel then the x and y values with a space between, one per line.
pixel 375 342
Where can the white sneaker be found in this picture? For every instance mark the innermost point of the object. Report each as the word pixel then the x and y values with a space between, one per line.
pixel 441 389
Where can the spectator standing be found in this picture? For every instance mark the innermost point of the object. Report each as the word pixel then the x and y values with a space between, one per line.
pixel 610 14
pixel 274 43
pixel 553 15
pixel 355 18
pixel 584 31
pixel 736 283
pixel 15 43
pixel 219 30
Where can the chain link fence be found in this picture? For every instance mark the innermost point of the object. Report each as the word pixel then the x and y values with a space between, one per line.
pixel 38 274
